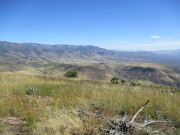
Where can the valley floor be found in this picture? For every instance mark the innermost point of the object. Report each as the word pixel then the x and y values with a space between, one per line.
pixel 51 106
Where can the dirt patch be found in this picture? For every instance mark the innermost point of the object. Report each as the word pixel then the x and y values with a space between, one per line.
pixel 15 126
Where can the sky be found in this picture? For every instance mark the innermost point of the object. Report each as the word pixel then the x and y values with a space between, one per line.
pixel 112 24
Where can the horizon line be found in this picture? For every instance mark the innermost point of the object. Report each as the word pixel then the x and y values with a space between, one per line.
pixel 66 44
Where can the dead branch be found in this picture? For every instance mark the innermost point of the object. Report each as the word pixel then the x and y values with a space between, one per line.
pixel 132 120
pixel 123 125
pixel 125 118
pixel 153 122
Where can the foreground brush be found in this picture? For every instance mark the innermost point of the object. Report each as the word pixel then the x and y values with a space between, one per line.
pixel 126 126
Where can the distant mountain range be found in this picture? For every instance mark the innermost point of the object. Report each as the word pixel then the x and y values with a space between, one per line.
pixel 34 50
pixel 92 62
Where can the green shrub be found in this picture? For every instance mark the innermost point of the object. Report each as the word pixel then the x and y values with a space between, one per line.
pixel 135 83
pixel 115 80
pixel 32 91
pixel 71 74
pixel 123 81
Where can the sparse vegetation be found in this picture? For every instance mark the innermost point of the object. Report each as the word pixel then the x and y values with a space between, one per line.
pixel 32 91
pixel 59 100
pixel 71 74
pixel 123 81
pixel 115 80
pixel 135 83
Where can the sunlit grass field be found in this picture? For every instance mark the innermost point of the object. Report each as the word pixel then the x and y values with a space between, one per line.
pixel 52 109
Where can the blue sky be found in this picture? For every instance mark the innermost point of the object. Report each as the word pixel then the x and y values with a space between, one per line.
pixel 112 24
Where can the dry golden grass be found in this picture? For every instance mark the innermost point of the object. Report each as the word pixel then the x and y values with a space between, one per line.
pixel 45 114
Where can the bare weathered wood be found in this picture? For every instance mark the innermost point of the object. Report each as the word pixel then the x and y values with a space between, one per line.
pixel 125 118
pixel 132 120
pixel 122 126
pixel 153 122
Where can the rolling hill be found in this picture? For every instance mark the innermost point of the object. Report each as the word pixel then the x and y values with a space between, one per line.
pixel 92 63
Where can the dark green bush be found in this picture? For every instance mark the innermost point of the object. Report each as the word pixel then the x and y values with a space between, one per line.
pixel 115 80
pixel 135 83
pixel 123 81
pixel 71 74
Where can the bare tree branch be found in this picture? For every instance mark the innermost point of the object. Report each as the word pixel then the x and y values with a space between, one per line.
pixel 132 120
pixel 152 122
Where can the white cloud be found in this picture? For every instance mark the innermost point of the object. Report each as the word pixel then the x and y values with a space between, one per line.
pixel 155 36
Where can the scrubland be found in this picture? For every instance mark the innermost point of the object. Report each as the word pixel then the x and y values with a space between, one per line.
pixel 53 107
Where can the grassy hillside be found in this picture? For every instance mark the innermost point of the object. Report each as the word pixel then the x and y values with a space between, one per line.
pixel 43 105
pixel 92 63
pixel 36 99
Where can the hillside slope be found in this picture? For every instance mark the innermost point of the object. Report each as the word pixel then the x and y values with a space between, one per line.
pixel 38 105
pixel 92 63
